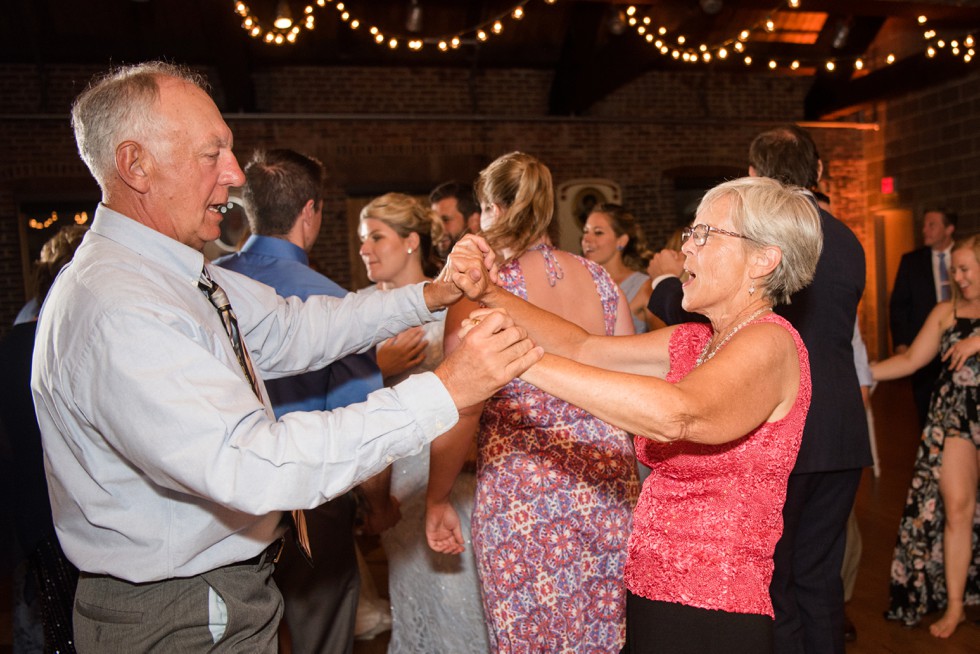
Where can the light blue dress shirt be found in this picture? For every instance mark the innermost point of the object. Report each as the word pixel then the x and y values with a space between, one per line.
pixel 161 461
pixel 286 267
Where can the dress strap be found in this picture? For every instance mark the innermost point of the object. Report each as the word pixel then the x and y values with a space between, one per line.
pixel 551 266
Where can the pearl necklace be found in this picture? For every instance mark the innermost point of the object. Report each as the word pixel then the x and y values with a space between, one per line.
pixel 706 355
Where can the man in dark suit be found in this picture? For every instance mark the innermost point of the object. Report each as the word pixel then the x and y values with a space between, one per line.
pixel 807 592
pixel 922 280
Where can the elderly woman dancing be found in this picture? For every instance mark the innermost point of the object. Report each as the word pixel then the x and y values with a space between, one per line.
pixel 718 413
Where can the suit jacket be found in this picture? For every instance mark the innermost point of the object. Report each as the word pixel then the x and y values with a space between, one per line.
pixel 665 303
pixel 913 297
pixel 836 433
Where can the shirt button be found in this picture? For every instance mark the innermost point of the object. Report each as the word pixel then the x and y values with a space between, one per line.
pixel 389 459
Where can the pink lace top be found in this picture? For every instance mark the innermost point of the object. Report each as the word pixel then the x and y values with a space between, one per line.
pixel 709 516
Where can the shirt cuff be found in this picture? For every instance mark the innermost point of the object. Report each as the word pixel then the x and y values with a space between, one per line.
pixel 433 406
pixel 439 314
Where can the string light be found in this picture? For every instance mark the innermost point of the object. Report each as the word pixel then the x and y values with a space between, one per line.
pixel 643 24
pixel 283 33
pixel 743 37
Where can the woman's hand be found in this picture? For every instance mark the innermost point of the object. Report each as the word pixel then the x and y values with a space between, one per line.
pixel 474 319
pixel 402 352
pixel 961 351
pixel 442 528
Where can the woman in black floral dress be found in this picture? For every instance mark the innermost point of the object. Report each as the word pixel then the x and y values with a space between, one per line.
pixel 937 558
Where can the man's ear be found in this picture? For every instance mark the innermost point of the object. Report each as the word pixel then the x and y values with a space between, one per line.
pixel 819 169
pixel 308 211
pixel 133 165
pixel 752 171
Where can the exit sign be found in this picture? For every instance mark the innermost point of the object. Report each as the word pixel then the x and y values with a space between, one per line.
pixel 887 185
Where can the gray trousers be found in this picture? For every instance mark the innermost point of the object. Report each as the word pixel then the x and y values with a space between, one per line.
pixel 112 615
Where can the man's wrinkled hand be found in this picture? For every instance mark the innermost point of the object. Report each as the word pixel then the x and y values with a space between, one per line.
pixel 470 271
pixel 493 352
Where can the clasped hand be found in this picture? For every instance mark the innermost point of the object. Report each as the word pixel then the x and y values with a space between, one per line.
pixel 493 351
pixel 470 271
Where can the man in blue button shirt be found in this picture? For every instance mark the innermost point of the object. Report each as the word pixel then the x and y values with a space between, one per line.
pixel 283 201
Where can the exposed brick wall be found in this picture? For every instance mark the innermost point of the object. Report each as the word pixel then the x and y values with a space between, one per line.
pixel 932 149
pixel 381 129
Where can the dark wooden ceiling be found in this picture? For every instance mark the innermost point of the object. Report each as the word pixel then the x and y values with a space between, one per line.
pixel 587 43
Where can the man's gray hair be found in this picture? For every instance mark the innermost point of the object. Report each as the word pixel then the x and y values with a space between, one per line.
pixel 117 106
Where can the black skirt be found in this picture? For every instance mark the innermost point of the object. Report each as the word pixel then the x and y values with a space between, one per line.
pixel 666 628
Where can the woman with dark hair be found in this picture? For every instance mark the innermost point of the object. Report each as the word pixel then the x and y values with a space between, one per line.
pixel 613 239
pixel 555 485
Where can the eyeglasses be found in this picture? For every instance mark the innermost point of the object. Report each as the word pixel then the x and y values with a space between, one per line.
pixel 700 234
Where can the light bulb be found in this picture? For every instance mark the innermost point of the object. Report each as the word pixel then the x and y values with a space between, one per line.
pixel 284 17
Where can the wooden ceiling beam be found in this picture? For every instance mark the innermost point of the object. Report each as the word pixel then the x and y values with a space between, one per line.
pixel 835 97
pixel 573 86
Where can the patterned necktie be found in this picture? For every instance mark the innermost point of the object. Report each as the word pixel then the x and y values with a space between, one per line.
pixel 220 301
pixel 944 290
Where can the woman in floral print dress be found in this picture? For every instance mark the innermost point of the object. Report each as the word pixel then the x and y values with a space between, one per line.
pixel 555 485
pixel 937 557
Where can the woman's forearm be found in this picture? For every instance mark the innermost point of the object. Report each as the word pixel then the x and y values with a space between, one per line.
pixel 448 453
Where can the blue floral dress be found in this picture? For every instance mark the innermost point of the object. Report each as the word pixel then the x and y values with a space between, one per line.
pixel 555 494
pixel 918 581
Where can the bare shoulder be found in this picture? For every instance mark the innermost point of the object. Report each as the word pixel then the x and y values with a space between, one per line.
pixel 944 313
pixel 765 346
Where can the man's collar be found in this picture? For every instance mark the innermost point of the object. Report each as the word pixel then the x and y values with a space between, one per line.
pixel 273 246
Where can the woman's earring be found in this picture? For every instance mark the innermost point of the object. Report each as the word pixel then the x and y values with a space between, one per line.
pixel 620 248
pixel 409 250
pixel 752 289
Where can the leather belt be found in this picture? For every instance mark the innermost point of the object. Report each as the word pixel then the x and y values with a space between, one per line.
pixel 269 554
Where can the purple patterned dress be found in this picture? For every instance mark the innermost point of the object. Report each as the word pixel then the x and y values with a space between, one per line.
pixel 555 494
